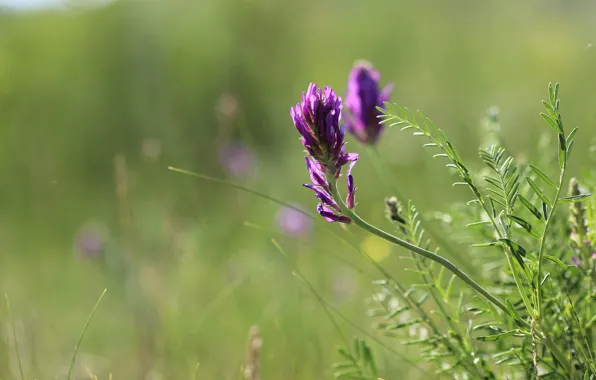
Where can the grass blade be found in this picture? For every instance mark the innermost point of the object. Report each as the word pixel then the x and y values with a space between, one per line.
pixel 76 350
pixel 329 309
pixel 574 198
pixel 538 192
pixel 239 187
pixel 543 176
pixel 14 333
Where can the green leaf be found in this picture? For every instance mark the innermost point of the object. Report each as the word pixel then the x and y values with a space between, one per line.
pixel 482 223
pixel 342 365
pixel 530 206
pixel 511 351
pixel 487 325
pixel 556 260
pixel 574 198
pixel 543 176
pixel 396 312
pixel 551 122
pixel 512 310
pixel 569 148
pixel 347 372
pixel 484 245
pixel 550 109
pixel 525 225
pixel 562 151
pixel 545 210
pixel 397 326
pixel 368 359
pixel 591 322
pixel 538 191
pixel 493 338
pixel 357 347
pixel 449 287
pixel 512 194
pixel 571 135
pixel 514 246
pixel 413 342
pixel 343 352
pixel 494 182
pixel 517 250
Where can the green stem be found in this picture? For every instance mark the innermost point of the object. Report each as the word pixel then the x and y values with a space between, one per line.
pixel 552 346
pixel 391 186
pixel 543 243
pixel 430 279
pixel 413 248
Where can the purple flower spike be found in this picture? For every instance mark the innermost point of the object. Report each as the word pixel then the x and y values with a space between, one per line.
pixel 317 119
pixel 576 261
pixel 362 98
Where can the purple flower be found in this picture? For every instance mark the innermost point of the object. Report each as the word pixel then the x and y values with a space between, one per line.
pixel 576 261
pixel 362 98
pixel 293 222
pixel 237 159
pixel 91 239
pixel 317 120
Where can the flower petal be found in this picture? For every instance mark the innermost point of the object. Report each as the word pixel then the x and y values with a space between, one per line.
pixel 385 94
pixel 316 175
pixel 351 198
pixel 323 196
pixel 328 214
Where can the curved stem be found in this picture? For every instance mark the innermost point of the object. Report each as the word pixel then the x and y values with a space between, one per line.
pixel 378 164
pixel 543 243
pixel 413 248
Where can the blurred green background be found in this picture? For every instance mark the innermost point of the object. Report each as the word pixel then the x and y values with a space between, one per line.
pixel 96 103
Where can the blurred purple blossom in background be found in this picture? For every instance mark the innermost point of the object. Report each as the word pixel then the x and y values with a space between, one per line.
pixel 293 222
pixel 90 241
pixel 363 97
pixel 237 159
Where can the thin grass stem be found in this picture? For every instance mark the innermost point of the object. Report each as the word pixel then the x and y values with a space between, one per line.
pixel 14 334
pixel 78 345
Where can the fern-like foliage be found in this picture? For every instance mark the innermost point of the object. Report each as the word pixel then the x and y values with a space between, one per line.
pixel 358 362
pixel 396 115
pixel 429 307
pixel 526 259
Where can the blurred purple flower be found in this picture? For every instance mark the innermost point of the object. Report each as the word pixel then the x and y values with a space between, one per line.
pixel 362 99
pixel 293 222
pixel 576 261
pixel 238 159
pixel 317 120
pixel 90 240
